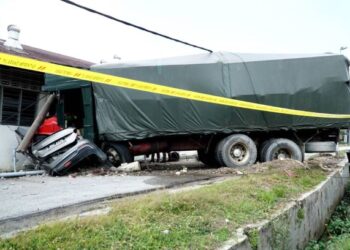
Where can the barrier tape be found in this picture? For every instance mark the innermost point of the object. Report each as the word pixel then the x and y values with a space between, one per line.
pixel 86 75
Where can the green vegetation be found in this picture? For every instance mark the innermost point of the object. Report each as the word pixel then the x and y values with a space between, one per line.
pixel 341 242
pixel 300 214
pixel 280 236
pixel 198 219
pixel 337 233
pixel 253 237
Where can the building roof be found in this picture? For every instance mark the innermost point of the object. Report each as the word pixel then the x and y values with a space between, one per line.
pixel 46 56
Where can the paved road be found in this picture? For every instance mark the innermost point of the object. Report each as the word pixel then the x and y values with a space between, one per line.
pixel 28 195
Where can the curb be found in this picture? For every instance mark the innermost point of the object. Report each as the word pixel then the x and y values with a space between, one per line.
pixel 298 222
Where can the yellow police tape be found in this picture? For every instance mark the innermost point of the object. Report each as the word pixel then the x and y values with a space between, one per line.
pixel 50 68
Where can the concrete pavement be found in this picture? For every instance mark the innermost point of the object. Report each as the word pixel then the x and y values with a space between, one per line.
pixel 27 201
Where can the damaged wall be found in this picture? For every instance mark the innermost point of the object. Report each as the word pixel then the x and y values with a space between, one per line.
pixel 8 143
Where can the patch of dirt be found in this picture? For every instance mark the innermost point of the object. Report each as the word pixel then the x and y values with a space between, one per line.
pixel 194 167
pixel 182 167
pixel 286 164
pixel 326 162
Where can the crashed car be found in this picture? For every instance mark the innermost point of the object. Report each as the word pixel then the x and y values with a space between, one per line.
pixel 58 150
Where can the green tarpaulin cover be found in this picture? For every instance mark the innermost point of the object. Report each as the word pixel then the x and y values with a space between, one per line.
pixel 317 83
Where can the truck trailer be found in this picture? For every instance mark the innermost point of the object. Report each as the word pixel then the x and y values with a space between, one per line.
pixel 234 109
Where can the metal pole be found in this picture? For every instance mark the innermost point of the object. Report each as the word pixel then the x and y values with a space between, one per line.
pixel 23 146
pixel 14 160
pixel 22 173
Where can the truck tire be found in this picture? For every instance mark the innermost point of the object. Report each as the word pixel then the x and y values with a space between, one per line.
pixel 208 158
pixel 320 147
pixel 280 149
pixel 174 156
pixel 118 154
pixel 236 150
pixel 262 150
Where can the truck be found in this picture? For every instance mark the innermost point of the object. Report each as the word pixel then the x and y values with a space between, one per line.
pixel 234 109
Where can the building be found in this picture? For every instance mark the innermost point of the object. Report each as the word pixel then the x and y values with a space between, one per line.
pixel 20 92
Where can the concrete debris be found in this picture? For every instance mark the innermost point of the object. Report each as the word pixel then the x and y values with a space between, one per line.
pixel 130 167
pixel 73 175
pixel 99 171
pixel 113 169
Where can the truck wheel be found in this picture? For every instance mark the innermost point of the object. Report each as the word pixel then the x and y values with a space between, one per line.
pixel 174 156
pixel 322 146
pixel 208 158
pixel 236 151
pixel 118 154
pixel 280 149
pixel 262 150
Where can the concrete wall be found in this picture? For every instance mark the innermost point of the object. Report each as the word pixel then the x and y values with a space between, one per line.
pixel 8 143
pixel 299 222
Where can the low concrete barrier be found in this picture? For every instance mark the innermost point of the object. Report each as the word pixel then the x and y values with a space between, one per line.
pixel 298 222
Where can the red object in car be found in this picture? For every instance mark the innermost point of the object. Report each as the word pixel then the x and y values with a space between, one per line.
pixel 49 126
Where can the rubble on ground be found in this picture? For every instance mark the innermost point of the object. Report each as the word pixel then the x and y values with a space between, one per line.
pixel 130 167
pixel 326 162
pixel 192 167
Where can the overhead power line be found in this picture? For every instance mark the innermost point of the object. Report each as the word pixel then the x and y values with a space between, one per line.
pixel 134 26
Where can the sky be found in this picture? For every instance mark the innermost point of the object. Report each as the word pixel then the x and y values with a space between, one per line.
pixel 241 26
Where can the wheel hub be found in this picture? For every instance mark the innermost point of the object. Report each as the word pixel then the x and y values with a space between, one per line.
pixel 282 154
pixel 113 156
pixel 237 152
pixel 281 157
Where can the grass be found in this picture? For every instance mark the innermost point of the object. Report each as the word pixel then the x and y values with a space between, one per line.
pixel 253 237
pixel 198 219
pixel 342 242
